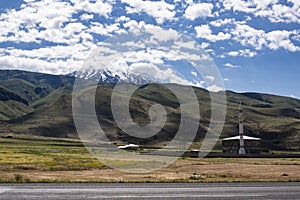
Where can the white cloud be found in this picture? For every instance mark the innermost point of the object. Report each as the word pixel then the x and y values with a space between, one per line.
pixel 275 10
pixel 281 39
pixel 35 64
pixel 158 34
pixel 138 45
pixel 231 65
pixel 104 29
pixel 222 22
pixel 56 59
pixel 249 36
pixel 98 7
pixel 185 44
pixel 159 10
pixel 50 20
pixel 205 32
pixel 215 88
pixel 281 13
pixel 71 27
pixel 161 34
pixel 238 5
pixel 86 17
pixel 194 73
pixel 123 19
pixel 210 78
pixel 248 6
pixel 198 10
pixel 247 53
pixel 45 21
pixel 22 25
pixel 165 75
pixel 243 52
pixel 74 27
pixel 233 53
pixel 134 26
pixel 204 45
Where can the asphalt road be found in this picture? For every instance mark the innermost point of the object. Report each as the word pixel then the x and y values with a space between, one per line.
pixel 157 191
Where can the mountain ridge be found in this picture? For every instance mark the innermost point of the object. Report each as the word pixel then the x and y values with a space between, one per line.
pixel 108 76
pixel 275 119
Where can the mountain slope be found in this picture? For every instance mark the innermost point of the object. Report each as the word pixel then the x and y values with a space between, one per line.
pixel 12 105
pixel 273 118
pixel 27 90
pixel 53 96
pixel 43 84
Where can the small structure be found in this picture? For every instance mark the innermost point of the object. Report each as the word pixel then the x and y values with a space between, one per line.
pixel 241 144
pixel 194 153
pixel 131 147
pixel 232 145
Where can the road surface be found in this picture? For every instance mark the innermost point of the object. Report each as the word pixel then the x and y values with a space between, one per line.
pixel 157 191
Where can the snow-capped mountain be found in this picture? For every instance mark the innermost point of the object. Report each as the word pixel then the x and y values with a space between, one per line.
pixel 108 76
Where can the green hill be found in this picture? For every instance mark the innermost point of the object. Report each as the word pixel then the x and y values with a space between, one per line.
pixel 53 96
pixel 32 85
pixel 12 105
pixel 275 119
pixel 27 90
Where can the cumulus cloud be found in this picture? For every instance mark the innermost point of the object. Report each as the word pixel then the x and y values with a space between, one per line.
pixel 55 59
pixel 98 7
pixel 35 64
pixel 59 35
pixel 222 22
pixel 215 88
pixel 249 36
pixel 67 41
pixel 197 10
pixel 231 65
pixel 51 21
pixel 105 29
pixel 210 78
pixel 159 10
pixel 281 39
pixel 248 6
pixel 158 34
pixel 242 52
pixel 86 17
pixel 204 45
pixel 205 32
pixel 165 75
pixel 34 21
pixel 282 13
pixel 161 34
pixel 274 10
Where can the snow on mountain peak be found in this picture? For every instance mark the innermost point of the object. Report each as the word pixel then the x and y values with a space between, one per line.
pixel 109 76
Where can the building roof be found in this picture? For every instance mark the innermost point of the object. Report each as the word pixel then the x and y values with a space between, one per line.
pixel 239 137
pixel 128 146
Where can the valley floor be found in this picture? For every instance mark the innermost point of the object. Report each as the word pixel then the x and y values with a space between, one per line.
pixel 25 159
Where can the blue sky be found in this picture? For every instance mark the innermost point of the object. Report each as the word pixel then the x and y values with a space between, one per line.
pixel 255 44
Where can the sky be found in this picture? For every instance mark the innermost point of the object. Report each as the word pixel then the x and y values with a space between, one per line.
pixel 255 44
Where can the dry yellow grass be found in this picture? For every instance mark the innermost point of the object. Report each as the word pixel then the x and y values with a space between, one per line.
pixel 207 170
pixel 44 160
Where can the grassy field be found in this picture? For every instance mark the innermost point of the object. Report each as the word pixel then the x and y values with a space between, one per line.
pixel 38 159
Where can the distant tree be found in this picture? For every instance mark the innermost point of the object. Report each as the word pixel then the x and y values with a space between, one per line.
pixel 38 90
